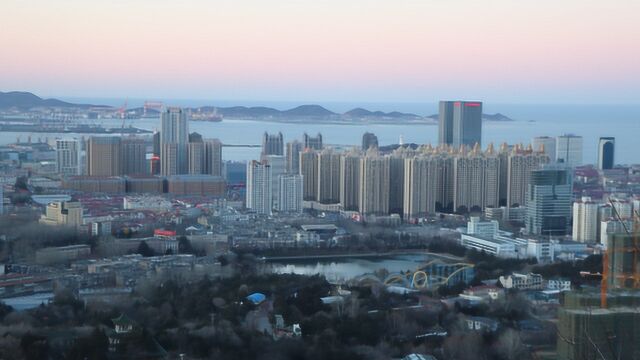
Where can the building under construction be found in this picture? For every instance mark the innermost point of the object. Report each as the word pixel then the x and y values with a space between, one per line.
pixel 605 325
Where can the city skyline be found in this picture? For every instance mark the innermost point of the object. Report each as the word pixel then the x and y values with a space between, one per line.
pixel 130 52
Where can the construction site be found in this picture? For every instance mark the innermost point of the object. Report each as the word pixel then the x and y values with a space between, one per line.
pixel 604 324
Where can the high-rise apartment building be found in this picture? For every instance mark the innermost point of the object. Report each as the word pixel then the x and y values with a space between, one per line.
pixel 103 156
pixel 606 153
pixel 174 139
pixel 569 150
pixel 369 140
pixel 546 144
pixel 311 142
pixel 196 157
pixel 276 163
pixel 328 177
pixel 133 156
pixel 68 153
pixel 290 192
pixel 585 220
pixel 259 196
pixel 396 183
pixel 309 172
pixel 350 181
pixel 476 180
pixel 374 185
pixel 272 144
pixel 548 202
pixel 520 163
pixel 212 157
pixel 293 156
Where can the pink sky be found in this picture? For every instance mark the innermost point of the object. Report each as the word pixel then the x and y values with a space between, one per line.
pixel 363 50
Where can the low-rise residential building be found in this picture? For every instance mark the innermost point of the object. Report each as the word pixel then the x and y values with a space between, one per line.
pixel 522 281
pixel 559 284
pixel 60 254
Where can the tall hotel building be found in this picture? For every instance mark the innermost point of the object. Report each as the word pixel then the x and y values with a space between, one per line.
pixel 174 138
pixel 460 123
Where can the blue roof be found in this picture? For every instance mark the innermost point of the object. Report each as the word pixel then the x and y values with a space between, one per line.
pixel 256 298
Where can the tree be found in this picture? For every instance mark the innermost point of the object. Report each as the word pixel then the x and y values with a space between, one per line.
pixel 184 245
pixel 145 250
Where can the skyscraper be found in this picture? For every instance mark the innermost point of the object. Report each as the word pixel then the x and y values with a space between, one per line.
pixel 272 144
pixel 309 172
pixel 196 157
pixel 350 181
pixel 396 183
pixel 467 123
pixel 68 157
pixel 311 142
pixel 445 123
pixel 569 150
pixel 328 177
pixel 174 138
pixel 212 157
pixel 369 140
pixel 585 220
pixel 547 143
pixel 103 156
pixel 606 153
pixel 276 163
pixel 548 202
pixel 259 196
pixel 293 156
pixel 290 193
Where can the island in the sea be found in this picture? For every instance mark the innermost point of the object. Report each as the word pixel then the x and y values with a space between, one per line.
pixel 15 104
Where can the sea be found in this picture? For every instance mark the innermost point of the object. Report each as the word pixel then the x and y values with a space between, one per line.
pixel 589 121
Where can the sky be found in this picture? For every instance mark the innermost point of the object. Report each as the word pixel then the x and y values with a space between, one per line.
pixel 524 51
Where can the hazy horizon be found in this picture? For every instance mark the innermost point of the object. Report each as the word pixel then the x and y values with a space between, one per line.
pixel 577 52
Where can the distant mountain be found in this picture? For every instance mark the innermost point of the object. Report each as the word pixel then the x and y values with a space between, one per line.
pixel 25 100
pixel 485 117
pixel 496 117
pixel 360 113
pixel 309 111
